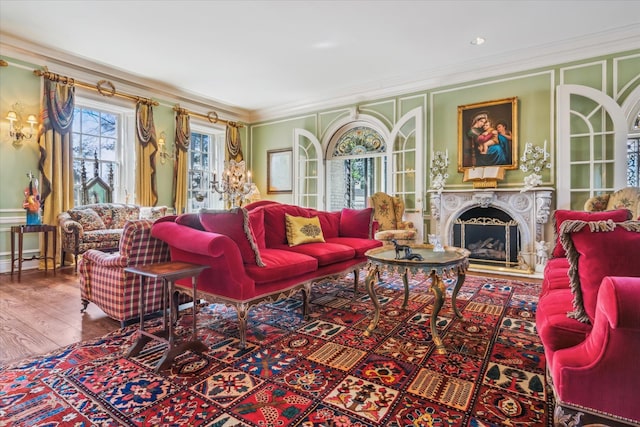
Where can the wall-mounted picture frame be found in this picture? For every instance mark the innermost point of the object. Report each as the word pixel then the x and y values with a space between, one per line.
pixel 488 134
pixel 279 171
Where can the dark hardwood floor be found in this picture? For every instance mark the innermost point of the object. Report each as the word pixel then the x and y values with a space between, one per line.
pixel 42 313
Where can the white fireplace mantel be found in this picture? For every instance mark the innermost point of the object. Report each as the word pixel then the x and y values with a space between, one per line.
pixel 530 209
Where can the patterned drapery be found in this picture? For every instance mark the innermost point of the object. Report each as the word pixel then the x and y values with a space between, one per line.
pixel 183 139
pixel 233 143
pixel 56 150
pixel 146 149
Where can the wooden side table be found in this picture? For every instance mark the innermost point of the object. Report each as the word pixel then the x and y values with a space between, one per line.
pixel 20 230
pixel 168 272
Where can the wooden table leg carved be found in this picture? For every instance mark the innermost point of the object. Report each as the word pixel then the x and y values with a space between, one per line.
pixel 436 264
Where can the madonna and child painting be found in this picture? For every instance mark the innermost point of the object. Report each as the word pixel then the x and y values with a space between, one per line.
pixel 487 134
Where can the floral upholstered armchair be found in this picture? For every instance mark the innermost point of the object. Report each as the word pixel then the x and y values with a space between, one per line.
pixel 99 226
pixel 388 212
pixel 628 198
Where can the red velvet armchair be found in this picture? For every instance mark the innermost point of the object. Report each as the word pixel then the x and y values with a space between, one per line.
pixel 588 318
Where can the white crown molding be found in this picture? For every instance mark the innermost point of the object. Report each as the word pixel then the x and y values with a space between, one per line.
pixel 81 69
pixel 597 44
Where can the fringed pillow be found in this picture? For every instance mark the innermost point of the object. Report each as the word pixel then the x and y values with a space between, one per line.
pixel 234 224
pixel 597 249
pixel 560 216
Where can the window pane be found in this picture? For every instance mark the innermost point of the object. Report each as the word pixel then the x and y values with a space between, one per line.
pixel 90 146
pixel 90 122
pixel 108 124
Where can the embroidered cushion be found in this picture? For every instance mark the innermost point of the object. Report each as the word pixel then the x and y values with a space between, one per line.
pixel 234 224
pixel 597 249
pixel 356 223
pixel 88 219
pixel 560 216
pixel 302 230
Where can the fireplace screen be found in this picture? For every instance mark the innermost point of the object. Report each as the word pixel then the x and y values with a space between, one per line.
pixel 491 240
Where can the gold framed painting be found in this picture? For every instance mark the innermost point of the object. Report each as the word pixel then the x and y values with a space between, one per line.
pixel 488 135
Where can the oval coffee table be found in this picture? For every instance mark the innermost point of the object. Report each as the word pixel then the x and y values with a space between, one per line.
pixel 453 261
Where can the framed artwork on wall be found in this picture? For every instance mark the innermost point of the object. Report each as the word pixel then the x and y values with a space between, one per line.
pixel 279 171
pixel 488 135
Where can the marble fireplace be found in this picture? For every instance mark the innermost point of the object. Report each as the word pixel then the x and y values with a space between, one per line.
pixel 504 228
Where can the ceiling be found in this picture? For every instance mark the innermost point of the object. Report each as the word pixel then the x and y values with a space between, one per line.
pixel 258 58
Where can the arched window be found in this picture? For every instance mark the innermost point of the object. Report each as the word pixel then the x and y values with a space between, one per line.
pixel 357 165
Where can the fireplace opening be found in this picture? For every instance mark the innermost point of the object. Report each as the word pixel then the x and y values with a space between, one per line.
pixel 490 234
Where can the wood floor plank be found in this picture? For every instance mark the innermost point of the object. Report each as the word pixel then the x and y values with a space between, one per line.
pixel 41 313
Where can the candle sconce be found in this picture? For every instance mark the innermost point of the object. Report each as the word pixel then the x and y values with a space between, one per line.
pixel 18 129
pixel 162 148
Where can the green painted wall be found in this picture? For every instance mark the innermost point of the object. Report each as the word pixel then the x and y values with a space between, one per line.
pixel 617 74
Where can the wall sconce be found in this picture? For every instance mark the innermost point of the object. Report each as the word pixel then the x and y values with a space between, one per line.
pixel 162 148
pixel 17 125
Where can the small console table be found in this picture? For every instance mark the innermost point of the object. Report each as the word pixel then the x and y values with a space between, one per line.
pixel 20 230
pixel 168 272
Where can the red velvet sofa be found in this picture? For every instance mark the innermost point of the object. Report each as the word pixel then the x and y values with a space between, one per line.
pixel 588 318
pixel 249 256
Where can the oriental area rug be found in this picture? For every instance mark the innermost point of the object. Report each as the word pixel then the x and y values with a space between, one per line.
pixel 320 372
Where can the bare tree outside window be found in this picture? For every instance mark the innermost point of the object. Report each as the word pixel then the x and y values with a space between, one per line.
pixel 94 133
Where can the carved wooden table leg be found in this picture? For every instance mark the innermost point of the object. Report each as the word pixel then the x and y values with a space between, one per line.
pixel 439 291
pixel 460 281
pixel 369 281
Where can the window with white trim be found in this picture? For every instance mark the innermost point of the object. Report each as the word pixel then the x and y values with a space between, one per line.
pixel 206 156
pixel 104 131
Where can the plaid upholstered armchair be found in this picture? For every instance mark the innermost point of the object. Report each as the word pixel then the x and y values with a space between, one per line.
pixel 104 282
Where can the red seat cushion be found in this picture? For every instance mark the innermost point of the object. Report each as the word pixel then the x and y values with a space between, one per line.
pixel 325 253
pixel 360 245
pixel 280 265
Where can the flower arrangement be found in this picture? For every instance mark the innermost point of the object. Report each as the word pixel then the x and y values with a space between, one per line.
pixel 438 172
pixel 533 160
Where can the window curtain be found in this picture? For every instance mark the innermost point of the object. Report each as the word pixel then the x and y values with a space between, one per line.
pixel 233 143
pixel 146 149
pixel 56 152
pixel 180 181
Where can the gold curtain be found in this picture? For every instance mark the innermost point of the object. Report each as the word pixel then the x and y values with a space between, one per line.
pixel 180 181
pixel 146 149
pixel 233 143
pixel 56 152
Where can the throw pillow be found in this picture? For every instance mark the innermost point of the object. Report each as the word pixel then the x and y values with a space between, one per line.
pixel 560 216
pixel 356 223
pixel 597 249
pixel 302 230
pixel 235 225
pixel 88 219
pixel 190 220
